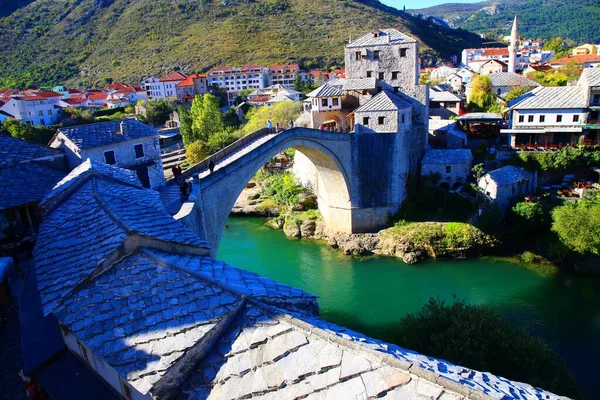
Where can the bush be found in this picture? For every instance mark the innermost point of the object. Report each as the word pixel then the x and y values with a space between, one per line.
pixel 577 224
pixel 478 337
pixel 196 152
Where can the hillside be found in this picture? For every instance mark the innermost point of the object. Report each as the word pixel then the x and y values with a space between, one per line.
pixel 578 20
pixel 89 41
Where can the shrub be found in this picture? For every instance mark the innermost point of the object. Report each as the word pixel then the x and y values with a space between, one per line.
pixel 577 224
pixel 478 337
pixel 196 152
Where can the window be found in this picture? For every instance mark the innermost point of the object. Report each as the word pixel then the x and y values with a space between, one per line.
pixel 376 55
pixel 335 101
pixel 365 120
pixel 542 118
pixel 448 169
pixel 559 118
pixel 530 118
pixel 521 118
pixel 596 98
pixel 576 118
pixel 109 157
pixel 369 73
pixel 357 56
pixel 139 150
pixel 403 118
pixel 324 102
pixel 394 75
pixel 381 75
pixel 381 120
pixel 402 52
pixel 49 112
pixel 40 113
pixel 499 92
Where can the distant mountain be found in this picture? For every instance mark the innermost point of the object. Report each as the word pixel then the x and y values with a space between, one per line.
pixel 90 41
pixel 578 20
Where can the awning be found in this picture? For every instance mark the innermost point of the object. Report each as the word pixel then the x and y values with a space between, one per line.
pixel 330 121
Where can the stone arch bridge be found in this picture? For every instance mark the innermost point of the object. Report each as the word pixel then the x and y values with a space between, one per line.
pixel 360 179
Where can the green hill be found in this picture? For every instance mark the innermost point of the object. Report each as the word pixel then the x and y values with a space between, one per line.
pixel 89 41
pixel 578 20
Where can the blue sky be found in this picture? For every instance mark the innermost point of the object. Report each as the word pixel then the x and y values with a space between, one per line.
pixel 422 3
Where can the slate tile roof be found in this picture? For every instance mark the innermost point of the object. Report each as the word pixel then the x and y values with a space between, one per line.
pixel 381 37
pixel 105 133
pixel 507 175
pixel 15 151
pixel 360 84
pixel 25 183
pixel 590 77
pixel 326 91
pixel 551 97
pixel 447 156
pixel 384 101
pixel 511 79
pixel 443 96
pixel 88 221
pixel 23 177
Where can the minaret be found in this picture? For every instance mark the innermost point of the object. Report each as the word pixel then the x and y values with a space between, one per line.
pixel 514 47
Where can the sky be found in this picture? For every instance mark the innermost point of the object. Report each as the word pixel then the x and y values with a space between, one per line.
pixel 411 4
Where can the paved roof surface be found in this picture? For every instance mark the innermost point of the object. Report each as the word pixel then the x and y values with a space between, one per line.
pixel 326 91
pixel 105 133
pixel 511 79
pixel 90 217
pixel 508 175
pixel 26 183
pixel 15 150
pixel 384 101
pixel 556 97
pixel 384 37
pixel 442 96
pixel 590 77
pixel 442 156
pixel 360 84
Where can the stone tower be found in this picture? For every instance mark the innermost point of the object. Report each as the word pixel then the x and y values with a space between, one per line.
pixel 513 48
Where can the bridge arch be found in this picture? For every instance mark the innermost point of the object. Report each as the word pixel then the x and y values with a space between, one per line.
pixel 329 152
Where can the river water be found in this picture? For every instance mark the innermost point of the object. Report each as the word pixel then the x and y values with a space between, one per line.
pixel 369 292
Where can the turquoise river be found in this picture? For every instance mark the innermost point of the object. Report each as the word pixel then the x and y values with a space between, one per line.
pixel 375 291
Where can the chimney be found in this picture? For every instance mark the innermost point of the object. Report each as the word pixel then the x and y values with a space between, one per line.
pixel 121 130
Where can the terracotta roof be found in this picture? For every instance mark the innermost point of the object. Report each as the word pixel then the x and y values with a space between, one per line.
pixel 126 90
pixel 97 96
pixel 259 99
pixel 173 76
pixel 223 69
pixel 495 52
pixel 584 58
pixel 540 67
pixel 189 81
pixel 117 85
pixel 75 100
pixel 290 66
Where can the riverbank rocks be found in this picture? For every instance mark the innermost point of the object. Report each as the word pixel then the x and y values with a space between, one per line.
pixel 291 229
pixel 308 228
pixel 308 201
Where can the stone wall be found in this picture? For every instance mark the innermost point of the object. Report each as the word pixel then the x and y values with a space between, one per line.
pixel 459 173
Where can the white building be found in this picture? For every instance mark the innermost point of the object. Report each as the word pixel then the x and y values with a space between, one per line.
pixel 126 144
pixel 283 74
pixel 506 183
pixel 453 166
pixel 547 116
pixel 442 72
pixel 163 87
pixel 39 107
pixel 234 79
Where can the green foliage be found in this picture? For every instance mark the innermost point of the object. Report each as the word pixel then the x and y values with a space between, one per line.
pixel 196 152
pixel 21 130
pixel 434 203
pixel 577 224
pixel 481 93
pixel 75 42
pixel 516 92
pixel 280 113
pixel 531 213
pixel 489 219
pixel 558 76
pixel 199 150
pixel 478 337
pixel 158 111
pixel 283 189
pixel 565 159
pixel 560 46
pixel 185 126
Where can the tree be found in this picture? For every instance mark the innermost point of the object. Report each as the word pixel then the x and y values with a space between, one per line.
pixel 516 93
pixel 481 93
pixel 298 84
pixel 185 126
pixel 280 113
pixel 478 337
pixel 577 224
pixel 196 152
pixel 157 112
pixel 23 131
pixel 207 118
pixel 478 172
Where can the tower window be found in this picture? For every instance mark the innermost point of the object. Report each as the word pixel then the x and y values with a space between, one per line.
pixel 381 75
pixel 394 75
pixel 376 55
pixel 365 120
pixel 369 73
pixel 402 52
pixel 381 120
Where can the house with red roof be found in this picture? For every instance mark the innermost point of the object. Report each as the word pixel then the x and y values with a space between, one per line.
pixel 191 86
pixel 163 87
pixel 34 107
pixel 585 60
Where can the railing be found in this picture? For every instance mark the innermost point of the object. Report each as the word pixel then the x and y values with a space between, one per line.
pixel 238 144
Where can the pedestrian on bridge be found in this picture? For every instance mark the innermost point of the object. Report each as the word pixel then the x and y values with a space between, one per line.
pixel 277 128
pixel 270 126
pixel 211 166
pixel 291 124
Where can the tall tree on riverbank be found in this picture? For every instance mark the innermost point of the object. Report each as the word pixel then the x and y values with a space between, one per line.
pixel 578 224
